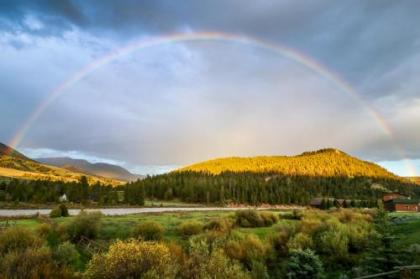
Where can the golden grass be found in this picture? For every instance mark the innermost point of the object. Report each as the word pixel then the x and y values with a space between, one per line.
pixel 55 174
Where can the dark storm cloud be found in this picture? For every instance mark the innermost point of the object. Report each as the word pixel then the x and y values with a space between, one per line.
pixel 383 32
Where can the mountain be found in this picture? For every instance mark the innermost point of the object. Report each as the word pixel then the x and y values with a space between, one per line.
pixel 14 164
pixel 321 163
pixel 296 179
pixel 99 169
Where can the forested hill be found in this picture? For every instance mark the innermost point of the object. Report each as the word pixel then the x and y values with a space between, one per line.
pixel 322 163
pixel 277 180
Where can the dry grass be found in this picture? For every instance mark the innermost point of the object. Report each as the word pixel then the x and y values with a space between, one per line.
pixel 54 174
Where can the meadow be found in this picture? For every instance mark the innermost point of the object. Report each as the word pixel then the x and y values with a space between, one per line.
pixel 339 243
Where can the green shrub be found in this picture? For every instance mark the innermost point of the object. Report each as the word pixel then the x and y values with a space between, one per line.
pixel 219 225
pixel 66 254
pixel 31 263
pixel 208 260
pixel 300 241
pixel 133 259
pixel 253 218
pixel 190 228
pixel 295 214
pixel 16 239
pixel 85 225
pixel 304 264
pixel 269 218
pixel 149 231
pixel 334 241
pixel 249 219
pixel 246 250
pixel 59 211
pixel 280 238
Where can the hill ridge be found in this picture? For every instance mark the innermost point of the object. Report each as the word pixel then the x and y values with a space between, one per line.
pixel 322 162
pixel 14 164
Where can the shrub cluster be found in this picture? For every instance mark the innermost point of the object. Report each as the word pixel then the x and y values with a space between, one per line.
pixel 59 211
pixel 84 226
pixel 190 228
pixel 149 231
pixel 219 225
pixel 133 259
pixel 253 218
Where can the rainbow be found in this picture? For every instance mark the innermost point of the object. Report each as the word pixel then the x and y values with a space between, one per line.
pixel 218 37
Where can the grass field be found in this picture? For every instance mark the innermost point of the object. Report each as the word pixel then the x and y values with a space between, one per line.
pixel 120 227
pixel 406 225
pixel 407 228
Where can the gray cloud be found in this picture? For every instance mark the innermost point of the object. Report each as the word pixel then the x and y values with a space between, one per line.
pixel 212 99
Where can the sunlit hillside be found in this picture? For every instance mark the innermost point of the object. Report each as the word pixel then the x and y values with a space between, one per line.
pixel 324 162
pixel 15 165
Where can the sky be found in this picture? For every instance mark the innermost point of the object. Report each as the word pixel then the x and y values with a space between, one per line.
pixel 175 102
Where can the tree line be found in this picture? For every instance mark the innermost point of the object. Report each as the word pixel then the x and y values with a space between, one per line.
pixel 199 187
pixel 271 188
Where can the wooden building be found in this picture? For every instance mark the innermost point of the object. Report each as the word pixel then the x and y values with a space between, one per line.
pixel 398 202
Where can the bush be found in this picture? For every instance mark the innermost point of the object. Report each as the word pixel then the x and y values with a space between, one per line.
pixel 85 225
pixel 253 218
pixel 133 259
pixel 279 240
pixel 269 218
pixel 190 228
pixel 246 250
pixel 59 211
pixel 249 219
pixel 31 263
pixel 219 225
pixel 296 214
pixel 334 241
pixel 300 241
pixel 149 230
pixel 66 254
pixel 304 264
pixel 17 239
pixel 207 260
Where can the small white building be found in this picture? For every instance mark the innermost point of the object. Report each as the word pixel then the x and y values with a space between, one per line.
pixel 63 198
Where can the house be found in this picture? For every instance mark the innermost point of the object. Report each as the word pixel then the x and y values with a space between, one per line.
pixel 63 198
pixel 398 202
pixel 393 196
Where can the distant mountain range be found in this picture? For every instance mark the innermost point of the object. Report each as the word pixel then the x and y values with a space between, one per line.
pixel 327 162
pixel 98 169
pixel 14 164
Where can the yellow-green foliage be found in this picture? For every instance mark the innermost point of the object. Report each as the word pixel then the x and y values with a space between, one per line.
pixel 85 225
pixel 326 162
pixel 300 241
pixel 16 239
pixel 246 249
pixel 32 263
pixel 22 255
pixel 207 259
pixel 253 218
pixel 219 224
pixel 133 259
pixel 335 234
pixel 189 228
pixel 149 230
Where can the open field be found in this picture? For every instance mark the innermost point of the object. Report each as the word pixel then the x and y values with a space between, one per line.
pixel 320 231
pixel 121 226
